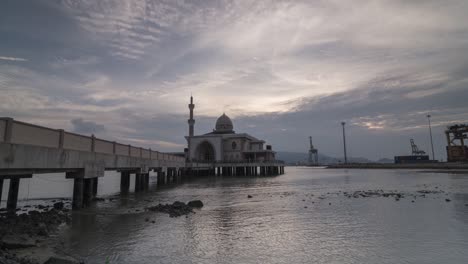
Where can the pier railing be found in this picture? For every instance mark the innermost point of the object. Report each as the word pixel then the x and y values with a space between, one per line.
pixel 16 132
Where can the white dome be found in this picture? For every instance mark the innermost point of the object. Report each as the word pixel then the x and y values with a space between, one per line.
pixel 224 124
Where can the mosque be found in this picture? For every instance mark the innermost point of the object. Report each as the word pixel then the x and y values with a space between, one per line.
pixel 223 144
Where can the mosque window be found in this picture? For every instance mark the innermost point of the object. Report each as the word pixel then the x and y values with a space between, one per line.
pixel 234 145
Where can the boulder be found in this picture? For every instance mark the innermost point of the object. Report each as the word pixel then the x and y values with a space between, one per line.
pixel 195 204
pixel 58 205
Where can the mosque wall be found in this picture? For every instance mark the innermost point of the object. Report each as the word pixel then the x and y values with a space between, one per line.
pixel 216 143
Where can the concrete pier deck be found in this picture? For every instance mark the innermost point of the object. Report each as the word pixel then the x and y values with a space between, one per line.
pixel 28 149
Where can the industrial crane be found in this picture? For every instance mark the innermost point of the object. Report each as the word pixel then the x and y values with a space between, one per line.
pixel 415 149
pixel 313 154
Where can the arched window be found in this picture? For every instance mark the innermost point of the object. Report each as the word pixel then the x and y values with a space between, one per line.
pixel 234 145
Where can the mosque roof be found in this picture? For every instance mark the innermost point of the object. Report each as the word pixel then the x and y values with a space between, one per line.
pixel 224 125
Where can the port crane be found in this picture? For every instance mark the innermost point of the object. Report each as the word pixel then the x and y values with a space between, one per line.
pixel 313 154
pixel 415 150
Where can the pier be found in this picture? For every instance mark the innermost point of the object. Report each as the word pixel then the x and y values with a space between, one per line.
pixel 27 149
pixel 240 168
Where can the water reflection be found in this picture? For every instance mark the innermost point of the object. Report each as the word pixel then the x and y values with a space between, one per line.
pixel 285 221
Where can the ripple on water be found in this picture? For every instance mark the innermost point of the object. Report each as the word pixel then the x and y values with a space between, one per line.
pixel 275 227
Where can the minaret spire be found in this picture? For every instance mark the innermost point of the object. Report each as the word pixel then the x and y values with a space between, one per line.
pixel 191 121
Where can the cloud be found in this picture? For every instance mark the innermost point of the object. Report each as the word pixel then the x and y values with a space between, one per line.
pixel 302 66
pixel 12 59
pixel 86 127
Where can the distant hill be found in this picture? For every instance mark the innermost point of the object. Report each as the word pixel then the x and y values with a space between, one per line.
pixel 385 160
pixel 302 158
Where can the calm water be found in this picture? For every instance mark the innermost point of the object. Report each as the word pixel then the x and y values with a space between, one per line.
pixel 274 226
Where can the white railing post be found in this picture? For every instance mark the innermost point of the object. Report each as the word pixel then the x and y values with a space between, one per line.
pixel 8 129
pixel 61 138
pixel 92 143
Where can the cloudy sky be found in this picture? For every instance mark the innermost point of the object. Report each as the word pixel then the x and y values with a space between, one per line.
pixel 282 70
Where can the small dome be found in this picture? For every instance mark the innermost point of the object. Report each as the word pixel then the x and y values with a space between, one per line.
pixel 224 124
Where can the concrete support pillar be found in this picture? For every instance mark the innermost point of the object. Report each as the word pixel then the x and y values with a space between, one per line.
pixel 146 181
pixel 78 186
pixel 95 186
pixel 158 177
pixel 164 177
pixel 124 182
pixel 138 182
pixel 1 189
pixel 13 194
pixel 88 191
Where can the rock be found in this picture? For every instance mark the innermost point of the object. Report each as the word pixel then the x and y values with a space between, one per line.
pixel 58 206
pixel 195 204
pixel 42 230
pixel 249 196
pixel 178 204
pixel 17 241
pixel 62 260
pixel 174 210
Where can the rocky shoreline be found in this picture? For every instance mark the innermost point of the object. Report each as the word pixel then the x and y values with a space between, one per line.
pixel 24 233
pixel 23 236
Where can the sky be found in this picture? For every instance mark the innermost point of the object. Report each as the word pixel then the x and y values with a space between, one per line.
pixel 282 70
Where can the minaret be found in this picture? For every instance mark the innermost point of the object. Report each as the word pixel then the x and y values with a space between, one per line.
pixel 191 121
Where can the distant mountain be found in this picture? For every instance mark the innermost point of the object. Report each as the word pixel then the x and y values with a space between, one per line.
pixel 385 160
pixel 302 158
